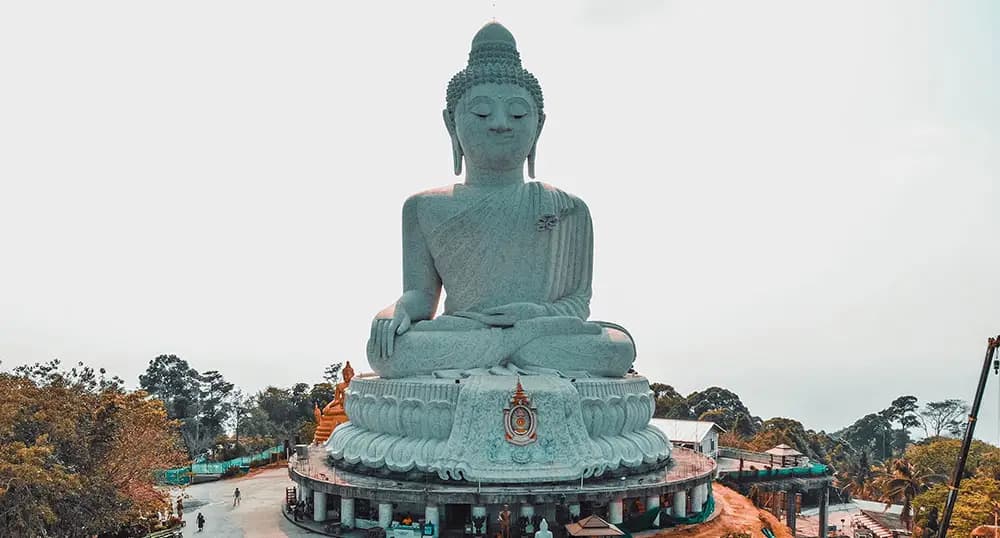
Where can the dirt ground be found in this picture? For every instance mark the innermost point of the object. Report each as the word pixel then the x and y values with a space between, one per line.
pixel 738 514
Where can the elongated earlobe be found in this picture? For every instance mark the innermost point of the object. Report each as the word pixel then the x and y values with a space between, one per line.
pixel 456 146
pixel 534 147
pixel 456 155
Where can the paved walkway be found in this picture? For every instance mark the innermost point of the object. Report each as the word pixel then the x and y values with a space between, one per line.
pixel 257 516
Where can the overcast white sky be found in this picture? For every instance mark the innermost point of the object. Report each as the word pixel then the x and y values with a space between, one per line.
pixel 798 203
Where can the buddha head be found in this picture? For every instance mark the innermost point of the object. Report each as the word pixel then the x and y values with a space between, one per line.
pixel 494 108
pixel 348 372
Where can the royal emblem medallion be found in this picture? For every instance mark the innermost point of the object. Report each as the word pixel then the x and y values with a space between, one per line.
pixel 520 420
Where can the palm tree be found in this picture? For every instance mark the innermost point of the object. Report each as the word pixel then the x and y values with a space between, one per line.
pixel 899 481
pixel 855 476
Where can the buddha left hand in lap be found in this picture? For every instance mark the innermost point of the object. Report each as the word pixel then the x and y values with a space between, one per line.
pixel 515 257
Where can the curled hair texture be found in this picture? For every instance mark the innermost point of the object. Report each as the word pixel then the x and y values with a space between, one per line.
pixel 496 62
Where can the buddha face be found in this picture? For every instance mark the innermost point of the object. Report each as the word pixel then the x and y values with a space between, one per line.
pixel 496 125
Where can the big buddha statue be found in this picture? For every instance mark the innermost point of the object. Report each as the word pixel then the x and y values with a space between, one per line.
pixel 513 256
pixel 511 383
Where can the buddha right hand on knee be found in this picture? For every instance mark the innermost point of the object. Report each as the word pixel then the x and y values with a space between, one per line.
pixel 390 322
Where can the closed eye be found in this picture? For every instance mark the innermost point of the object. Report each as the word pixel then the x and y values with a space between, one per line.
pixel 481 110
pixel 518 109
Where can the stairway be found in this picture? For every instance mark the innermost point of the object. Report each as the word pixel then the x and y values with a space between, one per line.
pixel 327 423
pixel 872 525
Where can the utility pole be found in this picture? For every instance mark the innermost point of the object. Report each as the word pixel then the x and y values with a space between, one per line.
pixel 956 478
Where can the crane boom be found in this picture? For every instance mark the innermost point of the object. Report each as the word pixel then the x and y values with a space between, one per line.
pixel 956 478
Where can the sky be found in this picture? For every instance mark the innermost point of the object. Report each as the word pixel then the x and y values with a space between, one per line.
pixel 794 201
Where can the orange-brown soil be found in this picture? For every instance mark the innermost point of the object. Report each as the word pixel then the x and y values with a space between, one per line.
pixel 734 514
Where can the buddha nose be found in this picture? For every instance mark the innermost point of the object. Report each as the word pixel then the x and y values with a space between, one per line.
pixel 500 124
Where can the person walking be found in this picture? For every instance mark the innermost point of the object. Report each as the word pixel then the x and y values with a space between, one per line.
pixel 236 497
pixel 201 522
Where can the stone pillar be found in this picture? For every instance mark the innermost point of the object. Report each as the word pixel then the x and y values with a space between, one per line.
pixel 824 502
pixel 680 504
pixel 304 493
pixel 790 510
pixel 653 501
pixel 384 515
pixel 615 508
pixel 431 516
pixel 347 512
pixel 696 500
pixel 319 506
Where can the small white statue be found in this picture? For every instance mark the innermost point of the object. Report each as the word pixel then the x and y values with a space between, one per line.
pixel 543 530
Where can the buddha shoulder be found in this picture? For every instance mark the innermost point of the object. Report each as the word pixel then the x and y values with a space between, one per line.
pixel 562 202
pixel 434 206
pixel 431 206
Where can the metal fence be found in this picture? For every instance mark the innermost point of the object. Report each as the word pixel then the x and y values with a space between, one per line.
pixel 815 469
pixel 219 467
pixel 746 455
pixel 182 476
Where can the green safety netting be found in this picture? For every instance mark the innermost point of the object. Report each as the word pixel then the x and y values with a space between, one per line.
pixel 219 467
pixel 641 522
pixel 816 469
pixel 646 520
pixel 174 477
pixel 182 476
pixel 700 517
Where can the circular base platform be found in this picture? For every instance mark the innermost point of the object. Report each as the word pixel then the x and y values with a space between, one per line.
pixel 687 470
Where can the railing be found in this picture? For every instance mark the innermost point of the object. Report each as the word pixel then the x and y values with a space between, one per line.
pixel 220 467
pixel 745 455
pixel 815 469
pixel 174 477
pixel 166 533
pixel 686 463
pixel 182 475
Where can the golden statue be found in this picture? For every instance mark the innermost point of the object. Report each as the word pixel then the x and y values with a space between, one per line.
pixel 333 414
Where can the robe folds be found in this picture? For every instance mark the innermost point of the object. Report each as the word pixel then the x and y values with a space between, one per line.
pixel 525 243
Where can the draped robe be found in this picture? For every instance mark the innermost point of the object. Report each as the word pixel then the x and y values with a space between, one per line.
pixel 528 243
pixel 523 243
